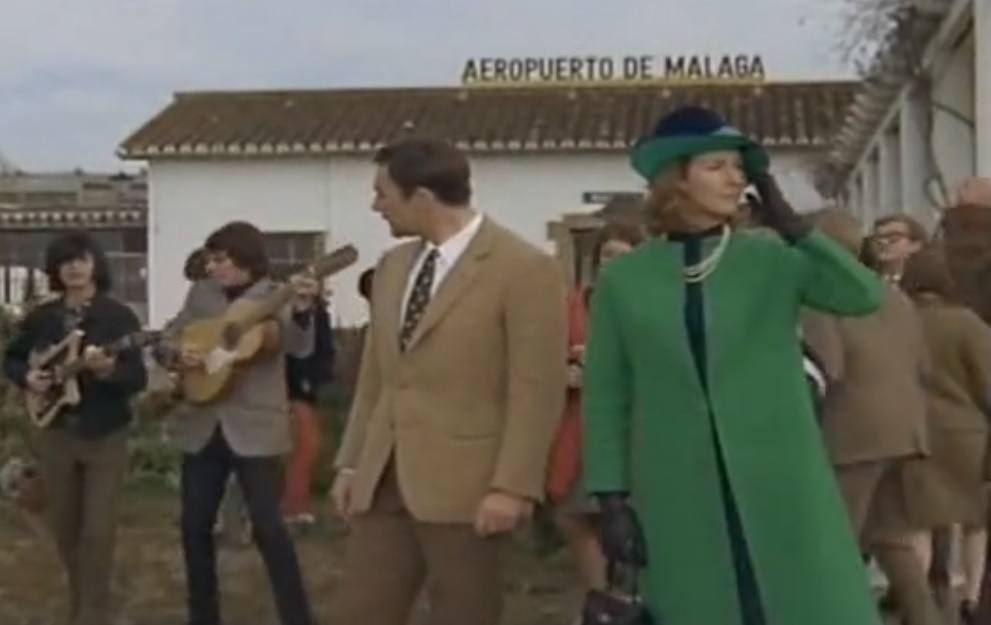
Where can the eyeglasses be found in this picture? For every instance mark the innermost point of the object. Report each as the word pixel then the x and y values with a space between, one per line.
pixel 889 237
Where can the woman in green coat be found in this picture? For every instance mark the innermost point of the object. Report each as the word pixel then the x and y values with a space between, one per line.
pixel 698 420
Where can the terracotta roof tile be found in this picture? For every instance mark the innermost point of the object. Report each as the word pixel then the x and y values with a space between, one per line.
pixel 585 118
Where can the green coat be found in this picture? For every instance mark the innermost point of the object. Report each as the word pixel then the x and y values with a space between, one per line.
pixel 648 428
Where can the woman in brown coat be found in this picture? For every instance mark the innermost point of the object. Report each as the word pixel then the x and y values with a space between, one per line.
pixel 959 401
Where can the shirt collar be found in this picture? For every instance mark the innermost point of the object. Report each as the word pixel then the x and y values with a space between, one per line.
pixel 451 249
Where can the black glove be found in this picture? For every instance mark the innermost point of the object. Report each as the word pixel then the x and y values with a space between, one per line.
pixel 774 211
pixel 621 535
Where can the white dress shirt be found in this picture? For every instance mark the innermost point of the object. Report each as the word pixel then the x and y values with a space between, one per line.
pixel 448 254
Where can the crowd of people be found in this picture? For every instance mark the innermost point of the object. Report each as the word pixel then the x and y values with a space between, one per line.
pixel 746 407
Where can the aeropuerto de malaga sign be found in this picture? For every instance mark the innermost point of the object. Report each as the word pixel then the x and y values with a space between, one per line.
pixel 494 71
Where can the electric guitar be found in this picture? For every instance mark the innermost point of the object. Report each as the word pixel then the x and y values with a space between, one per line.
pixel 63 361
pixel 236 336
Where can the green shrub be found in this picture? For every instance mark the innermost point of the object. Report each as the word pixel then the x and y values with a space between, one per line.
pixel 153 460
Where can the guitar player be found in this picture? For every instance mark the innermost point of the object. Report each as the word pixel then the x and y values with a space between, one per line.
pixel 83 454
pixel 246 431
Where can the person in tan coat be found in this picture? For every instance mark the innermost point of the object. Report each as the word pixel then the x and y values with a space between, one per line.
pixel 959 393
pixel 459 394
pixel 874 421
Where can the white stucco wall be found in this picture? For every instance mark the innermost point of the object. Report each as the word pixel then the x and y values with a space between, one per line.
pixel 188 199
pixel 901 182
pixel 953 138
pixel 982 87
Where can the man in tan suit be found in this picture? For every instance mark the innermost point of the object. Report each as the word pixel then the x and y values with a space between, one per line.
pixel 460 390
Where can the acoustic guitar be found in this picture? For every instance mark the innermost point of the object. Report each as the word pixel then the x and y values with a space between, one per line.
pixel 237 336
pixel 63 361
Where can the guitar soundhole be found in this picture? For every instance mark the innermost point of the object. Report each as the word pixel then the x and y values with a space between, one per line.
pixel 51 397
pixel 58 390
pixel 232 334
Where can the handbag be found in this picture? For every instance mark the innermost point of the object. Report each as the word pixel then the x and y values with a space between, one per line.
pixel 615 606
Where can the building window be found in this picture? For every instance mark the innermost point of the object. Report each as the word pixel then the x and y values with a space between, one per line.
pixel 97 186
pixel 22 251
pixel 289 252
pixel 43 199
pixel 129 276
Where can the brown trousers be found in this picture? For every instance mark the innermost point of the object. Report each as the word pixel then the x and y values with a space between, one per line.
pixel 83 479
pixel 390 555
pixel 984 606
pixel 875 501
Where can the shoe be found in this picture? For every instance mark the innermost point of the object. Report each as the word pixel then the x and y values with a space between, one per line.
pixel 302 520
pixel 246 536
pixel 968 613
pixel 888 602
pixel 944 595
pixel 306 518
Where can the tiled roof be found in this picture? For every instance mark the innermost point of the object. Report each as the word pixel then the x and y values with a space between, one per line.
pixel 17 218
pixel 559 118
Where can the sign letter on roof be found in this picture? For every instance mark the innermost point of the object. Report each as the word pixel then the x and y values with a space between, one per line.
pixel 516 71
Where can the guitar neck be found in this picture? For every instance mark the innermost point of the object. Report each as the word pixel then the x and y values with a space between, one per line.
pixel 270 305
pixel 135 340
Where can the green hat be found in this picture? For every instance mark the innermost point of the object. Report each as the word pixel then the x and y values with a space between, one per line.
pixel 687 132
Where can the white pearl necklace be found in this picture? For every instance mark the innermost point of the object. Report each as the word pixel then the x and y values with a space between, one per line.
pixel 704 268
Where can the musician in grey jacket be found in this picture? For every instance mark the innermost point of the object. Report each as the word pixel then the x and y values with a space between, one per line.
pixel 245 431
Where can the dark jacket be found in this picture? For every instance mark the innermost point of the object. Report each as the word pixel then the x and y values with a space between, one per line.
pixel 815 375
pixel 105 402
pixel 304 376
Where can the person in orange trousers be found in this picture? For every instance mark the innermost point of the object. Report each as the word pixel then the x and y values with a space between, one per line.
pixel 575 513
pixel 304 377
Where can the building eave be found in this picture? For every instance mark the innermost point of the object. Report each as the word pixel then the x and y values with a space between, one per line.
pixel 876 106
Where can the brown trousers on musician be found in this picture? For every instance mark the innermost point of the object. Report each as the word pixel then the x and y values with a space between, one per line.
pixel 875 500
pixel 390 555
pixel 83 480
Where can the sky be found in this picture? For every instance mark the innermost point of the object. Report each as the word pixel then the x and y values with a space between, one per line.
pixel 77 76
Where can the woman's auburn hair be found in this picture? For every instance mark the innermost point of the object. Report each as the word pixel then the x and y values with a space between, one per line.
pixel 665 200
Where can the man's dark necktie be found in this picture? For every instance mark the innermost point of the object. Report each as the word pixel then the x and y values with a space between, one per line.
pixel 419 297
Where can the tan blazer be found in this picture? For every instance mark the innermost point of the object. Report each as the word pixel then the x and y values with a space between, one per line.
pixel 875 408
pixel 473 403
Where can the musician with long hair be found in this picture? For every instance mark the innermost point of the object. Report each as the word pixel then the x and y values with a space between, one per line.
pixel 83 452
pixel 246 431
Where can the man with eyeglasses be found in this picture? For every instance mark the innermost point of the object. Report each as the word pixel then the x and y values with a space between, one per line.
pixel 894 239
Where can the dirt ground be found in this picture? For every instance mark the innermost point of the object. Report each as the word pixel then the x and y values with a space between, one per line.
pixel 149 580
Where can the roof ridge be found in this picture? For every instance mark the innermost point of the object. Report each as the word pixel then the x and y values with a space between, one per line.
pixel 617 85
